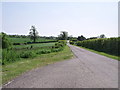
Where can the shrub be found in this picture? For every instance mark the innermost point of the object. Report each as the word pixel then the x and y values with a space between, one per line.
pixel 46 51
pixel 71 42
pixel 107 45
pixel 27 54
pixel 43 51
pixel 9 56
pixel 60 43
pixel 57 49
pixel 6 44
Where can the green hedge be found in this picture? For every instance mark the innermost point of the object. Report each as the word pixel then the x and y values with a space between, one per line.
pixel 107 45
pixel 72 42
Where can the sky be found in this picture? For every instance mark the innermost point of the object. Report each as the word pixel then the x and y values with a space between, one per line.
pixel 89 19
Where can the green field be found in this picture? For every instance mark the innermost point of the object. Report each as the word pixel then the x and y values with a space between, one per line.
pixel 24 40
pixel 12 70
pixel 34 45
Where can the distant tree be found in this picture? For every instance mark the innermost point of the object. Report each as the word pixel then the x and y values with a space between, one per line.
pixel 92 38
pixel 63 35
pixel 6 44
pixel 33 33
pixel 81 38
pixel 70 37
pixel 102 36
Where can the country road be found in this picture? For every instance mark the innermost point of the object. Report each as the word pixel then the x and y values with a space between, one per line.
pixel 86 70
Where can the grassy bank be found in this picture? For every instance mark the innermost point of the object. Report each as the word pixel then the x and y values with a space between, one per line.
pixel 12 70
pixel 102 53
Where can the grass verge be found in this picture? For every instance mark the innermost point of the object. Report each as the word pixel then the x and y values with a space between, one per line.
pixel 15 69
pixel 102 53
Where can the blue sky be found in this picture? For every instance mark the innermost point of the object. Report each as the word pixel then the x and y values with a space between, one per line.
pixel 79 18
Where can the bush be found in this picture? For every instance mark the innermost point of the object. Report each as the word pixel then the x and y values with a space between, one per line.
pixel 60 43
pixel 9 56
pixel 46 51
pixel 43 51
pixel 71 42
pixel 107 45
pixel 27 54
pixel 57 49
pixel 6 44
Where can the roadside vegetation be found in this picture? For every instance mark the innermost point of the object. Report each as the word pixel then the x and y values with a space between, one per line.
pixel 21 53
pixel 16 53
pixel 12 70
pixel 105 46
pixel 102 53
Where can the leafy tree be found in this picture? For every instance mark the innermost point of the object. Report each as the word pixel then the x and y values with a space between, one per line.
pixel 102 36
pixel 70 37
pixel 81 38
pixel 91 38
pixel 33 33
pixel 63 35
pixel 5 41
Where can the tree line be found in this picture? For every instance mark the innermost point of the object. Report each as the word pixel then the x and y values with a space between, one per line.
pixel 33 35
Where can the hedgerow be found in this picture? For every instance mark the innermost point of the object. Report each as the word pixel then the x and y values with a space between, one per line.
pixel 107 45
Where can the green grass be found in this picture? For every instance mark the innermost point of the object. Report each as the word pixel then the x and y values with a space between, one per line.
pixel 12 70
pixel 29 51
pixel 102 53
pixel 24 40
pixel 34 45
pixel 19 40
pixel 25 51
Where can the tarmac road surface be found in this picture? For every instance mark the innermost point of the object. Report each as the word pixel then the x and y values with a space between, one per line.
pixel 86 70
